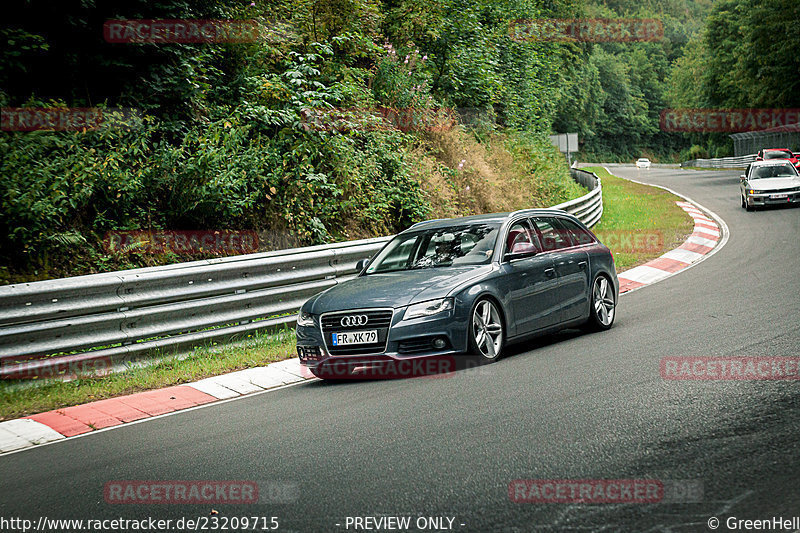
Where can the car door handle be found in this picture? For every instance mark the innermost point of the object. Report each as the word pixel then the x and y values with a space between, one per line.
pixel 582 265
pixel 550 272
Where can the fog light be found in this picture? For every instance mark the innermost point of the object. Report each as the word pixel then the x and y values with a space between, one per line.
pixel 439 343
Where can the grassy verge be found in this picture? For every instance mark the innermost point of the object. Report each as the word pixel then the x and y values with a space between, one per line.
pixel 257 350
pixel 639 222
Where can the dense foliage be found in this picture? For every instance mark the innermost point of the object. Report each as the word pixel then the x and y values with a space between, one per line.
pixel 225 140
pixel 617 90
pixel 746 56
pixel 228 139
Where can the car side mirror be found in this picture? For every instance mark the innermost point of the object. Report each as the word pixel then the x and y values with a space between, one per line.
pixel 742 177
pixel 518 255
pixel 361 265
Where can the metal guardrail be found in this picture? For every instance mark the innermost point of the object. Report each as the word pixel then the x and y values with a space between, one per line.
pixel 721 162
pixel 652 165
pixel 90 322
pixel 589 207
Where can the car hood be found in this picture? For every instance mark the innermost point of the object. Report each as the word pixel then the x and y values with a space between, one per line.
pixel 394 289
pixel 774 183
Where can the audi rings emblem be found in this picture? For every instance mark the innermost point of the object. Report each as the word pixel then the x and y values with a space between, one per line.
pixel 354 320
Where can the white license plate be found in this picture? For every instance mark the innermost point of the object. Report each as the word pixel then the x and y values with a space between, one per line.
pixel 778 196
pixel 355 337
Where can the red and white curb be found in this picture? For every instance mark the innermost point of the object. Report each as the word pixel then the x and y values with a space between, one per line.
pixel 42 428
pixel 702 241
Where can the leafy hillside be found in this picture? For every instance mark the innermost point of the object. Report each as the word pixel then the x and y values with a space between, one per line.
pixel 343 119
pixel 225 141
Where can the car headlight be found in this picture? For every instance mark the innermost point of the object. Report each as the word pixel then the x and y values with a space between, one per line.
pixel 305 319
pixel 429 308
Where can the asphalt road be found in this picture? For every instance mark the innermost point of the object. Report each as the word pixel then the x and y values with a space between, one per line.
pixel 570 406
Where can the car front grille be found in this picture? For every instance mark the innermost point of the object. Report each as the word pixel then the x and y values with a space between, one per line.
pixel 778 191
pixel 377 319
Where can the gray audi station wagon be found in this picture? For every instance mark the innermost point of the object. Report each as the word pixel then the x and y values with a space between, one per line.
pixel 467 286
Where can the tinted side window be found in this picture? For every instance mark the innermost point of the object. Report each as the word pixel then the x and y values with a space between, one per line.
pixel 577 234
pixel 551 235
pixel 520 239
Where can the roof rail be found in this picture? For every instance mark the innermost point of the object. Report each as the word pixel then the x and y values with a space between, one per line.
pixel 520 211
pixel 532 209
pixel 425 222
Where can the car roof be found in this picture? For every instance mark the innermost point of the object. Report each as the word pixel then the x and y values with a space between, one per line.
pixel 489 218
pixel 769 163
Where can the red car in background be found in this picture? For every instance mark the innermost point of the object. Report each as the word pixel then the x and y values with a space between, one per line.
pixel 768 154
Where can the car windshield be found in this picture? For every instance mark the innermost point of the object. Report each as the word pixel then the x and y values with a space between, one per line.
pixel 777 154
pixel 438 247
pixel 774 171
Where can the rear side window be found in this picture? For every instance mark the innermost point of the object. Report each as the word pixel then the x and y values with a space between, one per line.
pixel 577 234
pixel 551 234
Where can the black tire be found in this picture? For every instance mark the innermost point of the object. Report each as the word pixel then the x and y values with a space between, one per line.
pixel 749 207
pixel 602 304
pixel 486 336
pixel 744 203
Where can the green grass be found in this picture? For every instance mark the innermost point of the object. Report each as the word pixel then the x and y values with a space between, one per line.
pixel 17 400
pixel 632 210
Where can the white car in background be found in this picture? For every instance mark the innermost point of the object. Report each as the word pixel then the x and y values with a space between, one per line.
pixel 642 162
pixel 771 182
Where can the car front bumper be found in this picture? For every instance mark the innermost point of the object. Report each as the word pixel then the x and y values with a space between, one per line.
pixel 407 340
pixel 773 198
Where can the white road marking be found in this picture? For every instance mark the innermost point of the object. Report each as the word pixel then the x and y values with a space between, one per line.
pixel 702 241
pixel 31 430
pixel 644 274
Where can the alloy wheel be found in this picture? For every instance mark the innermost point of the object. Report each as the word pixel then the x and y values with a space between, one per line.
pixel 487 330
pixel 603 302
